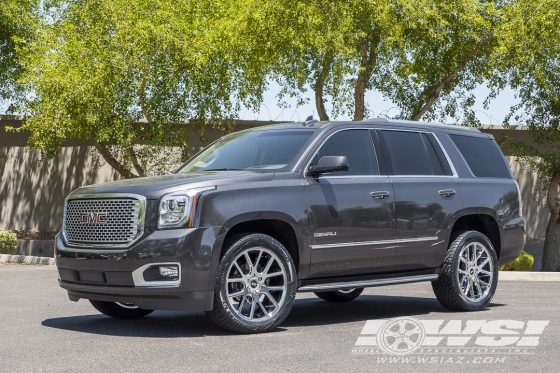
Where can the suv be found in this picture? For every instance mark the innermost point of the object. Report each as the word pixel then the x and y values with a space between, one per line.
pixel 323 207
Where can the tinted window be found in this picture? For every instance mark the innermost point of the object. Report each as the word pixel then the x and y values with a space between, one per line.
pixel 482 155
pixel 407 152
pixel 356 145
pixel 258 151
pixel 436 156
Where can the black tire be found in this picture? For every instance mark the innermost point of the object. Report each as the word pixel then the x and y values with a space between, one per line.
pixel 456 273
pixel 253 283
pixel 340 295
pixel 118 311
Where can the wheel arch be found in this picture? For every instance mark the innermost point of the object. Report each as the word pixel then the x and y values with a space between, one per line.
pixel 483 222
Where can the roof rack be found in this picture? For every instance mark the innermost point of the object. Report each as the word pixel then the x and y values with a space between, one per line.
pixel 425 124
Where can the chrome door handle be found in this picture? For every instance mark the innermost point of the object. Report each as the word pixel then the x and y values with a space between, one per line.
pixel 380 195
pixel 446 192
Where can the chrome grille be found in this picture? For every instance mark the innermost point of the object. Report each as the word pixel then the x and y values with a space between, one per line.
pixel 121 224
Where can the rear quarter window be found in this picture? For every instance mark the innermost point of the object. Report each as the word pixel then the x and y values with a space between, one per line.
pixel 482 155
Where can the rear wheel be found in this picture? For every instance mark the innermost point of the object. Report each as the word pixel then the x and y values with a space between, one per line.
pixel 469 275
pixel 256 285
pixel 120 310
pixel 345 295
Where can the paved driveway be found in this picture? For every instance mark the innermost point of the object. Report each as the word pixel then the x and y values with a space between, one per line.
pixel 40 330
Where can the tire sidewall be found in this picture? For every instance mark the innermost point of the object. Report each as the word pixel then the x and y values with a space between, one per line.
pixel 467 239
pixel 255 241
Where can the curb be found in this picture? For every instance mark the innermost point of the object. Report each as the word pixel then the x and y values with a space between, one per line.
pixel 529 276
pixel 23 259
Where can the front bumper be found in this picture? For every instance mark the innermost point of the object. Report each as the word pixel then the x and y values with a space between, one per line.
pixel 107 275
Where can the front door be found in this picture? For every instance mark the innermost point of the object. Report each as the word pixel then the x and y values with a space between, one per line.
pixel 350 213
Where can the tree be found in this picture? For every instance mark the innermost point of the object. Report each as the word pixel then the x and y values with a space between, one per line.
pixel 529 60
pixel 133 78
pixel 16 24
pixel 443 56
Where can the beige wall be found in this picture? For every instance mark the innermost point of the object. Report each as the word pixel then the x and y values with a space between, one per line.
pixel 32 191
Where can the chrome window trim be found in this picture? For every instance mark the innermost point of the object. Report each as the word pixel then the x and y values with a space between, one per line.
pixel 138 276
pixel 103 196
pixel 370 283
pixel 369 243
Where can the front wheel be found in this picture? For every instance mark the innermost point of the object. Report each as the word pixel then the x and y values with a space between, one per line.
pixel 120 310
pixel 469 275
pixel 345 295
pixel 256 285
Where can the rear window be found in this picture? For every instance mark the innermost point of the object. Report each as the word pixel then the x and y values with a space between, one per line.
pixel 482 155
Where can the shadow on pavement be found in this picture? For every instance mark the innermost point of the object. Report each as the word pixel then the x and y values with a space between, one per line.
pixel 305 312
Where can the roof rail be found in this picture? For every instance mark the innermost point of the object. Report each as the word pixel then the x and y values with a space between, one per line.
pixel 425 124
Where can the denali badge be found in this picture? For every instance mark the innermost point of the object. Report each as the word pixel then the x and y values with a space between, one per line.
pixel 326 234
pixel 93 217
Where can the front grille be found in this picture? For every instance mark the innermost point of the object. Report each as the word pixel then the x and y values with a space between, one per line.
pixel 98 222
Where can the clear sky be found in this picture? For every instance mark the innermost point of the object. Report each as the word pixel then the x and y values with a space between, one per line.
pixel 499 107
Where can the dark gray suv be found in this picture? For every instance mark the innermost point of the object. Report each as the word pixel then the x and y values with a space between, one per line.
pixel 329 208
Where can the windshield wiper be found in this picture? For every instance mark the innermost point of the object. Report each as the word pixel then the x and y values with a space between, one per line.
pixel 225 169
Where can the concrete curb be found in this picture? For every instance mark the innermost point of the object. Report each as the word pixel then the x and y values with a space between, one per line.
pixel 529 276
pixel 23 259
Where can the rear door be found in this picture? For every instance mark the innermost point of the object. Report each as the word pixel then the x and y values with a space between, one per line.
pixel 427 196
pixel 351 213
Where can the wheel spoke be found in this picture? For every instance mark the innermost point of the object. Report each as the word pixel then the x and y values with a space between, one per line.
pixel 258 259
pixel 235 279
pixel 268 265
pixel 238 268
pixel 249 263
pixel 253 306
pixel 271 298
pixel 241 303
pixel 233 295
pixel 275 288
pixel 263 308
pixel 273 274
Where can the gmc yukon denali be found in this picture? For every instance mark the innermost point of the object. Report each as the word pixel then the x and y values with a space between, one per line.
pixel 323 207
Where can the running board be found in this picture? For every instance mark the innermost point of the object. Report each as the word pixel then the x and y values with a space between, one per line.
pixel 368 283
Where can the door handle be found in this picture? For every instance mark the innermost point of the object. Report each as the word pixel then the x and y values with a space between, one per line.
pixel 447 192
pixel 380 195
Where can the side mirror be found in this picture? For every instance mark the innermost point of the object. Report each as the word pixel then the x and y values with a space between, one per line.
pixel 331 163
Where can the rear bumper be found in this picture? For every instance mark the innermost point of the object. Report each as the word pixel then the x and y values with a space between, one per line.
pixel 111 275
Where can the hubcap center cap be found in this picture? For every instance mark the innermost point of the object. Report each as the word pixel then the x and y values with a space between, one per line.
pixel 254 283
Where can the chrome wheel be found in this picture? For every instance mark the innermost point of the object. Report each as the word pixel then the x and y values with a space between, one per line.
pixel 256 284
pixel 475 272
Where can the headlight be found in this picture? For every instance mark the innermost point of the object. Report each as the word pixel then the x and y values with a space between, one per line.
pixel 177 209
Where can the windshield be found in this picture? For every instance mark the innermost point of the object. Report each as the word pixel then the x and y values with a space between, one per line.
pixel 258 151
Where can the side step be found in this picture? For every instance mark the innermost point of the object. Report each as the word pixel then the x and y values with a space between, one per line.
pixel 368 283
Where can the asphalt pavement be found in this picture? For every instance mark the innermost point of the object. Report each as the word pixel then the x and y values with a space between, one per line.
pixel 42 331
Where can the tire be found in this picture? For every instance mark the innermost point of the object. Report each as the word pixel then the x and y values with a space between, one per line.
pixel 120 310
pixel 469 274
pixel 340 295
pixel 266 281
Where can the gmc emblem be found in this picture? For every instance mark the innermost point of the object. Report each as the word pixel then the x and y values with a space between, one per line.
pixel 93 217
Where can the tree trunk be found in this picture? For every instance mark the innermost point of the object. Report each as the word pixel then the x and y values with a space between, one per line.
pixel 112 161
pixel 359 96
pixel 551 251
pixel 319 84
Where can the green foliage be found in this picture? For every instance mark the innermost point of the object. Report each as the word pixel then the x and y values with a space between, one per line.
pixel 524 262
pixel 8 242
pixel 118 74
pixel 16 24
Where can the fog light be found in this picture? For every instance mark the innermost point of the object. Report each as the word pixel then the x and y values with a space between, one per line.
pixel 169 272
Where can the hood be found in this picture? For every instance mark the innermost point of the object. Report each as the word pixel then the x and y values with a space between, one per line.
pixel 155 186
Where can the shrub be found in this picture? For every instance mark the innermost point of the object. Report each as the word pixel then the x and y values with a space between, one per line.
pixel 8 242
pixel 524 262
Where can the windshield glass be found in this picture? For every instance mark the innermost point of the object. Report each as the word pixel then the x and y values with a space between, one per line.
pixel 258 151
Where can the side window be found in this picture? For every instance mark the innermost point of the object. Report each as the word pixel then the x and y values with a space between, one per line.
pixel 482 155
pixel 407 153
pixel 356 145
